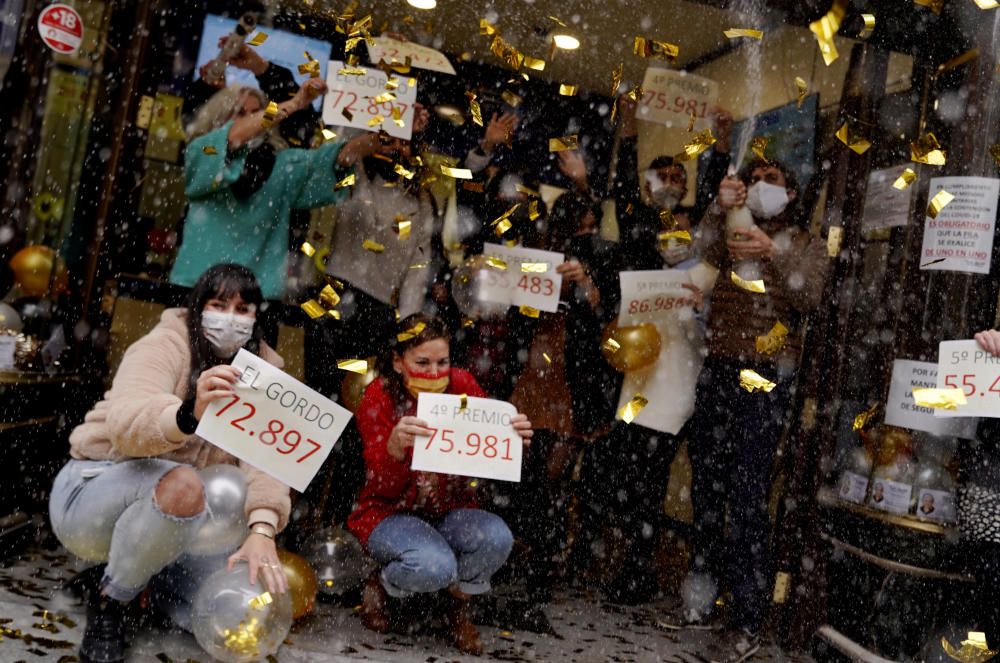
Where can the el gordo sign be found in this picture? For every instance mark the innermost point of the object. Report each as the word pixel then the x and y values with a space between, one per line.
pixel 61 28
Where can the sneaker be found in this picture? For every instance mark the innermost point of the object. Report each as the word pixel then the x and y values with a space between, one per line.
pixel 737 646
pixel 688 619
pixel 104 639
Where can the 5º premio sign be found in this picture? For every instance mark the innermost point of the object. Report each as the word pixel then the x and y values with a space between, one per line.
pixel 61 28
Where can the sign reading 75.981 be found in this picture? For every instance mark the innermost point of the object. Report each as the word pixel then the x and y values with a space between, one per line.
pixel 966 366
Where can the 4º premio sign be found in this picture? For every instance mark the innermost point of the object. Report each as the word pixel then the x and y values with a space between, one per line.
pixel 61 28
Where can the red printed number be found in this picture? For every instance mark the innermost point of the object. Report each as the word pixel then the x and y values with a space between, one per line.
pixel 271 437
pixel 474 444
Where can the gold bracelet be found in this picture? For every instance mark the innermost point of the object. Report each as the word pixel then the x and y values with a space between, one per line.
pixel 263 529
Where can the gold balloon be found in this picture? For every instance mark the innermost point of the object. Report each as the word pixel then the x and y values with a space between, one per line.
pixel 32 267
pixel 302 583
pixel 638 346
pixel 354 385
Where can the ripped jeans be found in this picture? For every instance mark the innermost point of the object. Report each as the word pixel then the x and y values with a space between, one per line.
pixel 106 511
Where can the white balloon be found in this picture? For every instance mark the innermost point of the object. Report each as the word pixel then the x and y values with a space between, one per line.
pixel 9 319
pixel 225 500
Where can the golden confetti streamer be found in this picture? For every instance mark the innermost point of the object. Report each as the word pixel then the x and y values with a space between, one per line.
pixel 631 410
pixel 270 115
pixel 502 223
pixel 258 602
pixel 826 27
pixel 752 381
pixel 501 48
pixel 927 150
pixel 535 267
pixel 353 71
pixel 348 114
pixel 377 120
pixel 736 33
pixel 564 143
pixel 384 97
pixel 973 650
pixel 392 83
pixel 401 170
pixel 533 212
pixel 346 182
pixel 934 5
pixel 463 402
pixel 209 150
pixel 558 22
pixel 457 173
pixel 938 203
pixel 359 366
pixel 258 39
pixel 328 135
pixel 546 357
pixel 412 332
pixel 402 228
pixel 651 48
pixel 313 309
pixel 486 28
pixel 477 113
pixel 858 144
pixel 419 265
pixel 861 419
pixel 869 28
pixel 373 246
pixel 567 90
pixel 511 99
pixel 528 311
pixel 528 191
pixel 682 236
pixel 534 63
pixel 987 4
pixel 692 118
pixel 833 239
pixel 701 142
pixel 496 263
pixel 801 91
pixel 328 296
pixel 759 147
pixel 667 219
pixel 397 118
pixel 750 286
pixel 773 341
pixel 636 93
pixel 308 249
pixel 942 399
pixel 616 82
pixel 310 67
pixel 905 179
pixel 502 226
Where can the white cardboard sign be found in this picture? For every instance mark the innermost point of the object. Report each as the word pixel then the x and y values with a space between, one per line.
pixel 421 57
pixel 8 344
pixel 960 239
pixel 274 422
pixel 478 441
pixel 900 410
pixel 670 97
pixel 653 295
pixel 356 95
pixel 513 286
pixel 885 205
pixel 966 366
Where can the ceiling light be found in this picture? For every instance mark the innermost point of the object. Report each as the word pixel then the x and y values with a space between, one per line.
pixel 566 42
pixel 423 4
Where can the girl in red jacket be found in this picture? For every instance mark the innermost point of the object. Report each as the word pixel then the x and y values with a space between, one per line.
pixel 424 529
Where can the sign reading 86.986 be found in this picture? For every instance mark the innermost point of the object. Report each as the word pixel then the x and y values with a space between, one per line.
pixel 966 366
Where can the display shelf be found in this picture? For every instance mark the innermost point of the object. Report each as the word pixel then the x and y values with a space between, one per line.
pixel 827 497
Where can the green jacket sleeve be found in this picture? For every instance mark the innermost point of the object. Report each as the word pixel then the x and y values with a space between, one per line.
pixel 314 174
pixel 208 164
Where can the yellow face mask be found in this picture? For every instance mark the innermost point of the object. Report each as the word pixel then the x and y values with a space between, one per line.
pixel 425 382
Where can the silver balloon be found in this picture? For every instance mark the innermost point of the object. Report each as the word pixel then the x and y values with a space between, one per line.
pixel 338 559
pixel 9 319
pixel 235 621
pixel 225 499
pixel 467 284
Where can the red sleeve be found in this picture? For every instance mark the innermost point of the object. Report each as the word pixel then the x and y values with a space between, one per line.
pixel 387 477
pixel 462 382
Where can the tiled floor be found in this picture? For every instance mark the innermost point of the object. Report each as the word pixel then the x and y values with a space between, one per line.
pixel 38 622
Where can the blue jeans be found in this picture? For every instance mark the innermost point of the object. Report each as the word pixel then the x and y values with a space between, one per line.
pixel 466 547
pixel 733 438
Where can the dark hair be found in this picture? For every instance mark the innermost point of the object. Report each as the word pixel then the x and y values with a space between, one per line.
pixel 791 182
pixel 223 281
pixel 433 328
pixel 666 161
pixel 564 221
pixel 524 228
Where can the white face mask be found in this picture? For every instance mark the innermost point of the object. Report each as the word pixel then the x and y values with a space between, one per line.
pixel 227 332
pixel 766 200
pixel 674 252
pixel 663 195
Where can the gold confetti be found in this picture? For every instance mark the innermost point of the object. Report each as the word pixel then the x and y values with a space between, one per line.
pixel 535 267
pixel 567 90
pixel 667 219
pixel 773 341
pixel 558 22
pixel 506 52
pixel 402 228
pixel 502 223
pixel 650 48
pixel 973 650
pixel 942 399
pixel 534 63
pixel 736 33
pixel 258 39
pixel 377 120
pixel 533 212
pixel 985 4
pixel 313 309
pixel 927 150
pixel 373 246
pixel 833 240
pixel 858 144
pixel 463 402
pixel 384 97
pixel 938 203
pixel 861 419
pixel 502 226
pixel 353 71
pixel 752 381
pixel 328 296
pixel 905 179
pixel 750 286
pixel 616 82
pixel 412 332
pixel 401 170
pixel 359 366
pixel 310 67
pixel 348 114
pixel 826 27
pixel 631 410
pixel 869 28
pixel 486 28
pixel 328 135
pixel 564 143
pixel 209 150
pixel 546 357
pixel 511 99
pixel 474 109
pixel 701 142
pixel 636 94
pixel 346 182
pixel 528 311
pixel 528 191
pixel 682 236
pixel 457 173
pixel 270 115
pixel 934 5
pixel 802 91
pixel 496 263
pixel 759 146
pixel 308 249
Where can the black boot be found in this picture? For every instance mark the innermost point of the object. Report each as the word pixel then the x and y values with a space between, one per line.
pixel 108 622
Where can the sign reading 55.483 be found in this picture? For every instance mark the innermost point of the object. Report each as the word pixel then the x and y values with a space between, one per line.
pixel 966 366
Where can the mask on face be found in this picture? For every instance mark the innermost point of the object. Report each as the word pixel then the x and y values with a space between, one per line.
pixel 667 197
pixel 227 332
pixel 425 382
pixel 766 200
pixel 674 252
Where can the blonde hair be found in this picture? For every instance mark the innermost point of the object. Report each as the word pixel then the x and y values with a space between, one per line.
pixel 224 106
